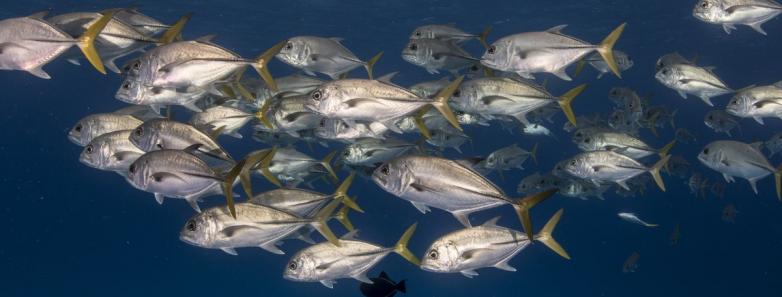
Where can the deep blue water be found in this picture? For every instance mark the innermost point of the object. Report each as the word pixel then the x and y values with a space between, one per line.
pixel 70 230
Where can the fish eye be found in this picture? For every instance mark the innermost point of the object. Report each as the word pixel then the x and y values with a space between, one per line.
pixel 88 149
pixel 711 117
pixel 191 225
pixel 491 50
pixel 704 4
pixel 346 153
pixel 573 163
pixel 323 123
pixel 474 68
pixel 734 102
pixel 456 93
pixel 126 86
pixel 292 266
pixel 384 169
pixel 139 131
pixel 459 113
pixel 413 47
pixel 418 33
pixel 78 128
pixel 614 92
pixel 132 168
pixel 587 140
pixel 317 95
pixel 433 254
pixel 666 71
pixel 289 46
pixel 706 151
pixel 136 65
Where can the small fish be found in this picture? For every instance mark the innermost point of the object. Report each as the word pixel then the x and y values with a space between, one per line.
pixel 303 202
pixel 581 189
pixel 548 51
pixel 349 258
pixel 484 246
pixel 678 166
pixel 435 55
pixel 133 92
pixel 622 143
pixel 631 263
pixel 718 189
pixel 733 158
pixel 111 151
pixel 698 81
pixel 382 286
pixel 537 129
pixel 289 166
pixel 157 134
pixel 729 13
pixel 446 32
pixel 314 54
pixel 721 122
pixel 510 157
pixel 336 129
pixel 675 235
pixel 698 185
pixel 729 213
pixel 623 61
pixel 448 138
pixel 228 120
pixel 369 152
pixel 757 103
pixel 685 136
pixel 621 120
pixel 774 144
pixel 428 89
pixel 672 59
pixel 632 218
pixel 28 43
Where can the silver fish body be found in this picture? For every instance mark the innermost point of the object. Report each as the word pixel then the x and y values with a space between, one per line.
pixel 434 55
pixel 111 151
pixel 757 103
pixel 224 117
pixel 693 80
pixel 728 13
pixel 319 54
pixel 167 134
pixel 737 159
pixel 95 125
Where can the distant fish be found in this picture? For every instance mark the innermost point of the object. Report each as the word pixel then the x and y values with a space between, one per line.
pixel 382 286
pixel 729 13
pixel 721 121
pixel 631 264
pixel 733 158
pixel 729 213
pixel 447 32
pixel 632 218
pixel 693 80
pixel 435 55
pixel 322 55
pixel 774 144
pixel 674 239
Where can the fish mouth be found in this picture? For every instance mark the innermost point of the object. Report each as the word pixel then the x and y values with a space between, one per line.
pixel 75 139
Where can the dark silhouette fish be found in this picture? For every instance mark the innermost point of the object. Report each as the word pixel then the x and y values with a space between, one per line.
pixel 382 286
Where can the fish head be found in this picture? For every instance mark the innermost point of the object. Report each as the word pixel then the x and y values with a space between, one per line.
pixel 416 53
pixel 498 55
pixel 740 105
pixel 296 52
pixel 393 176
pixel 199 230
pixel 441 256
pixel 352 155
pixel 711 155
pixel 138 173
pixel 619 95
pixel 131 91
pixel 145 136
pixel 81 133
pixel 711 119
pixel 710 11
pixel 131 68
pixel 668 75
pixel 303 267
pixel 326 99
pixel 465 96
pixel 424 32
pixel 95 154
pixel 589 143
pixel 623 60
pixel 578 167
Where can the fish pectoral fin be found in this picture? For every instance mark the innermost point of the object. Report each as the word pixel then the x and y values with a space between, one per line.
pixel 232 231
pixel 159 198
pixel 488 100
pixel 623 184
pixel 230 251
pixel 463 217
pixel 469 273
pixel 504 266
pixel 727 178
pixel 762 103
pixel 354 103
pixel 324 266
pixel 421 207
pixel 272 248
pixel 328 283
pixel 160 177
pixel 39 73
pixel 126 155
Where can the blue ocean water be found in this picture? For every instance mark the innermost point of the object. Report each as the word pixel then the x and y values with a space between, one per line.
pixel 70 230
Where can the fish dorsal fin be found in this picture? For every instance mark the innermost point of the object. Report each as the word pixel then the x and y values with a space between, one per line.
pixel 710 69
pixel 352 235
pixel 757 145
pixel 557 29
pixel 388 77
pixel 492 222
pixel 746 88
pixel 384 275
pixel 192 148
pixel 337 39
pixel 206 38
pixel 778 84
pixel 39 15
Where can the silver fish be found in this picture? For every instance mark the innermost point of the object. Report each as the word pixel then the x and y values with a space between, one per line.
pixel 29 43
pixel 370 152
pixel 510 157
pixel 132 91
pixel 255 225
pixel 226 119
pixel 757 103
pixel 622 143
pixel 448 138
pixel 487 245
pixel 733 158
pixel 335 129
pixel 672 59
pixel 303 202
pixel 159 134
pixel 537 129
pixel 141 22
pixel 111 151
pixel 291 167
pixel 688 79
pixel 632 218
pixel 720 121
pixel 291 115
pixel 428 89
pixel 623 61
pixel 95 125
pixel 448 185
pixel 548 51
pixel 434 55
pixel 322 55
pixel 608 166
pixel 729 13
pixel 351 258
pixel 446 32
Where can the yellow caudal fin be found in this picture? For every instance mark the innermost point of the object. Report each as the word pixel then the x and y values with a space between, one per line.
pixel 534 153
pixel 523 206
pixel 667 148
pixel 655 171
pixel 342 216
pixel 566 100
pixel 320 222
pixel 175 31
pixel 239 87
pixel 261 113
pixel 249 163
pixel 401 246
pixel 545 235
pixel 260 65
pixel 228 185
pixel 483 36
pixel 441 102
pixel 341 193
pixel 326 163
pixel 778 182
pixel 87 40
pixel 418 117
pixel 606 49
pixel 370 66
